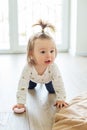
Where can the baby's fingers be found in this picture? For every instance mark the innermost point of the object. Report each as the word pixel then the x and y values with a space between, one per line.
pixel 65 104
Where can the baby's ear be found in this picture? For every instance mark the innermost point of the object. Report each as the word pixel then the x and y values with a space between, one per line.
pixel 30 53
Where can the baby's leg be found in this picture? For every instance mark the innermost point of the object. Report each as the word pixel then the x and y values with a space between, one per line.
pixel 49 87
pixel 32 85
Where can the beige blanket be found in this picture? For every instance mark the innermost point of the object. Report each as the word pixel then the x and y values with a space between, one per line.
pixel 74 117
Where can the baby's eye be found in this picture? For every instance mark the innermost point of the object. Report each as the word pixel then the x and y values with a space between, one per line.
pixel 42 52
pixel 51 51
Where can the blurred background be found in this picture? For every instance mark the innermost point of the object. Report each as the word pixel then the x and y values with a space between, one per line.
pixel 68 16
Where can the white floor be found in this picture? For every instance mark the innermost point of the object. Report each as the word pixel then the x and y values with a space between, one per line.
pixel 40 109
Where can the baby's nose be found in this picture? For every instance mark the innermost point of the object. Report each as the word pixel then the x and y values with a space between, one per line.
pixel 48 55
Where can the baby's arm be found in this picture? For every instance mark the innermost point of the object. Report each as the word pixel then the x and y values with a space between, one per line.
pixel 22 90
pixel 59 88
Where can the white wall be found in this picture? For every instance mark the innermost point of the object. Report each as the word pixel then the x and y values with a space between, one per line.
pixel 78 27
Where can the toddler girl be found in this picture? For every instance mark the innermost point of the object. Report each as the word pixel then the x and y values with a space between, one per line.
pixel 40 68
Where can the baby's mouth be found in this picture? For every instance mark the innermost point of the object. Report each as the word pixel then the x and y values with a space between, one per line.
pixel 48 61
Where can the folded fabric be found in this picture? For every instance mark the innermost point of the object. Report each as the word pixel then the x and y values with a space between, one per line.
pixel 74 117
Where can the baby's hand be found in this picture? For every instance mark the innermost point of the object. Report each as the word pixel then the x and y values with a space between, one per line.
pixel 60 104
pixel 19 108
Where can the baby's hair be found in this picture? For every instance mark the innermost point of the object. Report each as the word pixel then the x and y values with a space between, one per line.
pixel 44 25
pixel 40 35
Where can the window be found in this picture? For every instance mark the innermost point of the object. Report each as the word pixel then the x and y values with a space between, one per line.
pixel 23 13
pixel 4 25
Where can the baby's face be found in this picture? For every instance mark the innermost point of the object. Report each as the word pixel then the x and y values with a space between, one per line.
pixel 44 52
